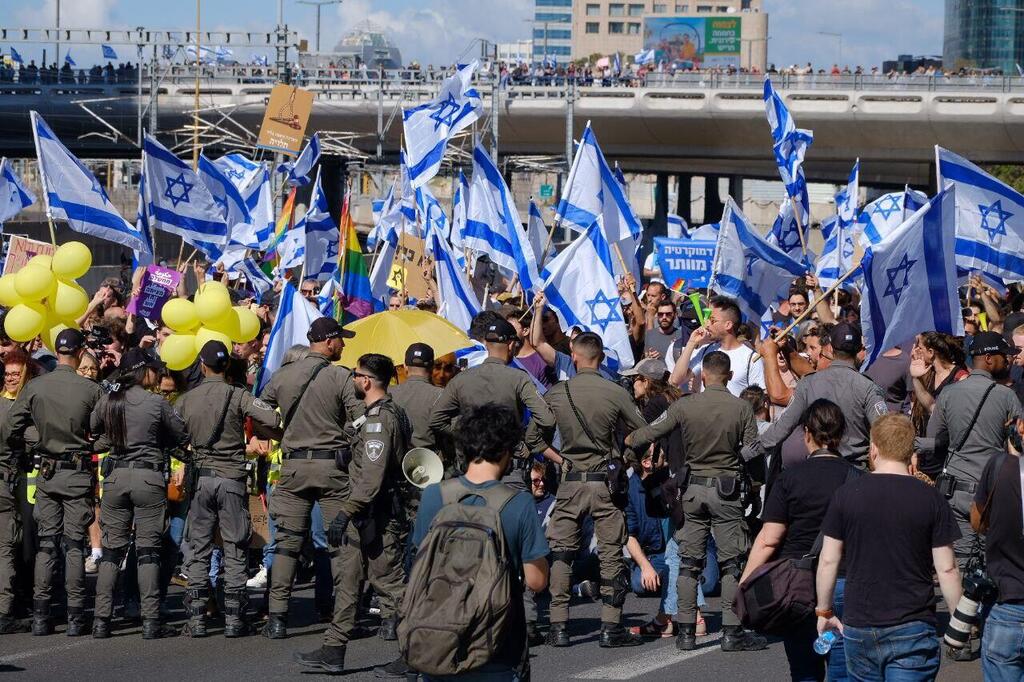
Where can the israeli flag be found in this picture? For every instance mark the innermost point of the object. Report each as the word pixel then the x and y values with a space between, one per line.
pixel 837 255
pixel 68 60
pixel 580 287
pixel 910 279
pixel 322 236
pixel 261 60
pixel 255 276
pixel 592 190
pixel 389 219
pixel 616 64
pixel 460 205
pixel 239 169
pixel 676 227
pixel 785 232
pixel 458 302
pixel 225 194
pixel 989 220
pixel 73 193
pixel 880 217
pixel 428 127
pixel 376 209
pixel 789 147
pixel 180 203
pixel 410 216
pixel 108 53
pixel 328 294
pixel 381 272
pixel 913 200
pixel 252 181
pixel 142 225
pixel 848 197
pixel 295 316
pixel 432 215
pixel 14 196
pixel 537 232
pixel 644 57
pixel 750 269
pixel 493 225
pixel 707 233
pixel 15 57
pixel 301 168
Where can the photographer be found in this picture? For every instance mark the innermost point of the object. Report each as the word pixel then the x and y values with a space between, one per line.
pixel 997 512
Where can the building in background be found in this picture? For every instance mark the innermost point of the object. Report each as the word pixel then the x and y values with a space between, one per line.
pixel 984 34
pixel 515 53
pixel 365 44
pixel 698 33
pixel 906 63
pixel 552 30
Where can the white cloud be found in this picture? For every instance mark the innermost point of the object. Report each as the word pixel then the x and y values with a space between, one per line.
pixel 73 14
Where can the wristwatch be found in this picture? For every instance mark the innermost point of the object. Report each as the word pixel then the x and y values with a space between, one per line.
pixel 823 613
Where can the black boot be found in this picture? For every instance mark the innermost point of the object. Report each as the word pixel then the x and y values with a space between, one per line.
pixel 77 625
pixel 389 629
pixel 41 625
pixel 277 626
pixel 397 669
pixel 686 639
pixel 614 635
pixel 962 654
pixel 735 638
pixel 330 659
pixel 100 628
pixel 11 626
pixel 533 635
pixel 236 617
pixel 153 628
pixel 195 607
pixel 558 635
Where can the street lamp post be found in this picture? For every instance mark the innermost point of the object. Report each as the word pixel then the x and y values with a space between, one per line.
pixel 835 35
pixel 318 4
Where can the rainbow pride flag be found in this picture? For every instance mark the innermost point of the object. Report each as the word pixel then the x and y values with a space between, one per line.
pixel 356 300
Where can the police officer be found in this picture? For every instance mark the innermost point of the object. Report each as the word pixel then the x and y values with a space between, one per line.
pixel 139 426
pixel 714 425
pixel 588 409
pixel 493 381
pixel 860 398
pixel 317 399
pixel 417 395
pixel 11 465
pixel 214 413
pixel 365 532
pixel 59 404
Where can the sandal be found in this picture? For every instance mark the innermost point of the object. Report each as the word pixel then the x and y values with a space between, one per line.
pixel 654 630
pixel 702 627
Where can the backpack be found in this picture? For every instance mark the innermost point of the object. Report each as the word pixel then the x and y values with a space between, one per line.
pixel 459 606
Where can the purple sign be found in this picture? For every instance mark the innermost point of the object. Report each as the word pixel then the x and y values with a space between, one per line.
pixel 157 287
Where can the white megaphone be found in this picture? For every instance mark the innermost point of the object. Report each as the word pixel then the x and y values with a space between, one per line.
pixel 422 467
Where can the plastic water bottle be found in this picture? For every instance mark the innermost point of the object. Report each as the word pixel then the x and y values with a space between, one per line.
pixel 825 641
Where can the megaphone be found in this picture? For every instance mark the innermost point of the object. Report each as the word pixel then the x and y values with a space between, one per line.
pixel 422 467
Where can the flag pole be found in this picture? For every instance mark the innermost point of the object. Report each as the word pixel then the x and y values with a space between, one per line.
pixel 195 111
pixel 799 226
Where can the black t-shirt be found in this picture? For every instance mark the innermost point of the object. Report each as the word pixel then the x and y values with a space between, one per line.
pixel 1004 542
pixel 889 524
pixel 672 443
pixel 800 497
pixel 893 375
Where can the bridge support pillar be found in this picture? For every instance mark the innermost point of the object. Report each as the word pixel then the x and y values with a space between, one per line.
pixel 684 197
pixel 660 204
pixel 736 189
pixel 713 205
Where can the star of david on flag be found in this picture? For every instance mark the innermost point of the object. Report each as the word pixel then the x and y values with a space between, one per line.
pixel 611 310
pixel 899 278
pixel 994 211
pixel 181 196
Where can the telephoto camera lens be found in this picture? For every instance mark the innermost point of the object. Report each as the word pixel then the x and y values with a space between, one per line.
pixel 961 622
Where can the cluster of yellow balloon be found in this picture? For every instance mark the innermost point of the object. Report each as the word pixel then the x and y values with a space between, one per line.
pixel 210 318
pixel 43 297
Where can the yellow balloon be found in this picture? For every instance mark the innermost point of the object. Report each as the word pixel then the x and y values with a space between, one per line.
pixel 72 260
pixel 226 324
pixel 70 301
pixel 24 321
pixel 212 304
pixel 51 327
pixel 178 351
pixel 42 260
pixel 180 314
pixel 34 282
pixel 204 334
pixel 9 296
pixel 248 325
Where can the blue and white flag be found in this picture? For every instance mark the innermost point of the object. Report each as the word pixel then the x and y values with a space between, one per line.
pixel 226 195
pixel 322 236
pixel 592 190
pixel 295 316
pixel 300 170
pixel 751 270
pixel 180 203
pixel 989 218
pixel 389 218
pixel 258 193
pixel 261 60
pixel 432 216
pixel 913 200
pixel 460 206
pixel 255 276
pixel 292 248
pixel 706 233
pixel 644 57
pixel 385 260
pixel 328 294
pixel 14 196
pixel 68 60
pixel 581 288
pixel 457 301
pixel 880 217
pixel 73 193
pixel 108 53
pixel 785 233
pixel 428 127
pixel 789 145
pixel 538 234
pixel 410 217
pixel 15 57
pixel 676 227
pixel 910 279
pixel 836 260
pixel 616 64
pixel 142 225
pixel 848 197
pixel 493 225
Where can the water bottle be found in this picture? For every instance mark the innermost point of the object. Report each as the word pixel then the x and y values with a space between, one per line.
pixel 825 641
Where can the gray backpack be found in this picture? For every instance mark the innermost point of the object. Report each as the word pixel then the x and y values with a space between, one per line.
pixel 459 605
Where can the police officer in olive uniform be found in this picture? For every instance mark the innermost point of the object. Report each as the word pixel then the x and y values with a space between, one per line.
pixel 214 413
pixel 317 400
pixel 588 410
pixel 714 426
pixel 11 466
pixel 139 426
pixel 365 533
pixel 59 405
pixel 416 395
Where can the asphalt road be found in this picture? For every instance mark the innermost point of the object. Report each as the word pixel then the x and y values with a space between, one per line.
pixel 126 656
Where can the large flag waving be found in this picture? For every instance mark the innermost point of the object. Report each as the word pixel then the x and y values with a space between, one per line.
pixel 910 279
pixel 458 302
pixel 295 315
pixel 785 233
pixel 837 254
pixel 789 145
pixel 750 269
pixel 301 168
pixel 321 236
pixel 538 234
pixel 428 127
pixel 356 296
pixel 14 196
pixel 73 193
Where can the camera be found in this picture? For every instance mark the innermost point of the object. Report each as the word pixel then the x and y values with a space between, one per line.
pixel 979 588
pixel 98 337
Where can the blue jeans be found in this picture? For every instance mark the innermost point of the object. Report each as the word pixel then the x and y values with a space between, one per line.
pixel 804 664
pixel 709 581
pixel 900 653
pixel 837 656
pixel 1002 644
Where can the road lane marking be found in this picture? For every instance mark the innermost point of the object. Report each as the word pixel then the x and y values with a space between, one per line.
pixel 48 650
pixel 636 666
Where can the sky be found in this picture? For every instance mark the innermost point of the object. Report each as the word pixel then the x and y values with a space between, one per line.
pixel 445 31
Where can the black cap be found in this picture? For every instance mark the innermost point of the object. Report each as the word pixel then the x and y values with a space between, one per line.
pixel 991 342
pixel 419 355
pixel 137 358
pixel 69 341
pixel 845 338
pixel 214 355
pixel 500 331
pixel 327 328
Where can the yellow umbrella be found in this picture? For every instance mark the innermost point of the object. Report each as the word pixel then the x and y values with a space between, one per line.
pixel 392 331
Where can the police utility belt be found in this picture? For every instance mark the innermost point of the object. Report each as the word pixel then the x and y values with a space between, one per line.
pixel 68 461
pixel 342 456
pixel 727 487
pixel 947 483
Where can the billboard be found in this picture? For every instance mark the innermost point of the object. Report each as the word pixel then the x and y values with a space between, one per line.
pixel 694 43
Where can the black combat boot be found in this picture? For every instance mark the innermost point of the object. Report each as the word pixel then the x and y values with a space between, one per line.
pixel 397 669
pixel 277 626
pixel 330 659
pixel 100 628
pixel 614 635
pixel 77 625
pixel 12 626
pixel 533 634
pixel 236 617
pixel 558 635
pixel 686 639
pixel 735 638
pixel 389 629
pixel 41 625
pixel 153 628
pixel 195 606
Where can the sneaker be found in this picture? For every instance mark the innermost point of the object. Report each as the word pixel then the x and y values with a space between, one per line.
pixel 258 581
pixel 92 564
